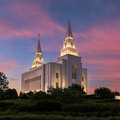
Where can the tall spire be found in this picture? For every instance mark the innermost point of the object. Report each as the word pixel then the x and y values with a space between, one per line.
pixel 38 58
pixel 38 45
pixel 69 32
pixel 69 43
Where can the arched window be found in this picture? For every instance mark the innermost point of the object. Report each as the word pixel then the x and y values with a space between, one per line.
pixel 57 79
pixel 82 78
pixel 82 84
pixel 56 75
pixel 74 74
pixel 71 44
pixel 65 44
pixel 56 85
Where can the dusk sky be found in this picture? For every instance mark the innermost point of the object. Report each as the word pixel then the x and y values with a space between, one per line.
pixel 95 26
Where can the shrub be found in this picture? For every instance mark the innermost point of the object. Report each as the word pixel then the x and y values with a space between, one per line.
pixel 22 108
pixel 47 106
pixel 107 113
pixel 4 106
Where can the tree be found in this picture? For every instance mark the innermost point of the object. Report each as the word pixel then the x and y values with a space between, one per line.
pixel 23 95
pixel 77 87
pixel 3 81
pixel 104 92
pixel 72 94
pixel 1 94
pixel 30 94
pixel 11 94
pixel 40 95
pixel 116 92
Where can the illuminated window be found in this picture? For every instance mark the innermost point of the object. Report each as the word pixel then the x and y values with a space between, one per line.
pixel 56 75
pixel 73 75
pixel 56 85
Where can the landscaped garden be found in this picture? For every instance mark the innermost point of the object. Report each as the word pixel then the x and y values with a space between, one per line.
pixel 70 103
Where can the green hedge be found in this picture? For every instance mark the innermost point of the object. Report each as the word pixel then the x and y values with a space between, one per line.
pixel 53 117
pixel 94 107
pixel 40 106
pixel 4 106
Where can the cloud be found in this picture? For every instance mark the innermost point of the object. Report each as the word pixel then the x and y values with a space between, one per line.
pixel 13 63
pixel 100 39
pixel 13 79
pixel 6 65
pixel 100 51
pixel 26 20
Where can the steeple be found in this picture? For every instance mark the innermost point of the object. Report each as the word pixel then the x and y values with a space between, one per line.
pixel 69 43
pixel 38 58
pixel 69 31
pixel 38 45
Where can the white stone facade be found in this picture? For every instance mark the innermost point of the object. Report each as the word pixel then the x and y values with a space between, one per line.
pixel 67 70
pixel 117 97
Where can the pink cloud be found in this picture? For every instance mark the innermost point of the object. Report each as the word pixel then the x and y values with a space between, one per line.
pixel 31 20
pixel 6 65
pixel 4 68
pixel 90 91
pixel 13 80
pixel 13 63
pixel 100 39
pixel 100 49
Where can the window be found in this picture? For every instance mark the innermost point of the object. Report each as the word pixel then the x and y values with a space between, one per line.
pixel 65 44
pixel 71 44
pixel 56 75
pixel 82 78
pixel 73 75
pixel 40 58
pixel 56 85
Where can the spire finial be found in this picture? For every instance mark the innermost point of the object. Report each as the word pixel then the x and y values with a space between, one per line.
pixel 38 36
pixel 69 31
pixel 38 45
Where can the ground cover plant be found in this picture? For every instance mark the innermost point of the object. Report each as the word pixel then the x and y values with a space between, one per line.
pixel 71 101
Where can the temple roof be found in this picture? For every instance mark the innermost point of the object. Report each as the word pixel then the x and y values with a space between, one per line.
pixel 38 45
pixel 69 31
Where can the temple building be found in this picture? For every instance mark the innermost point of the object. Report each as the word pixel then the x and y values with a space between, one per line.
pixel 67 70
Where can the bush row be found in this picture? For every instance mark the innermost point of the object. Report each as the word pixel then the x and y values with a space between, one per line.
pixel 53 117
pixel 98 107
pixel 42 106
pixel 37 106
pixel 63 113
pixel 4 106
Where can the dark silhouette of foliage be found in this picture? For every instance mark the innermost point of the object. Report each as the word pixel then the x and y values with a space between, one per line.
pixel 70 95
pixel 3 81
pixel 116 92
pixel 104 92
pixel 77 87
pixel 39 96
pixel 1 94
pixel 23 95
pixel 30 94
pixel 10 94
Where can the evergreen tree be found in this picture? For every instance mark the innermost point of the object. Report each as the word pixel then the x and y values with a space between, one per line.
pixel 3 81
